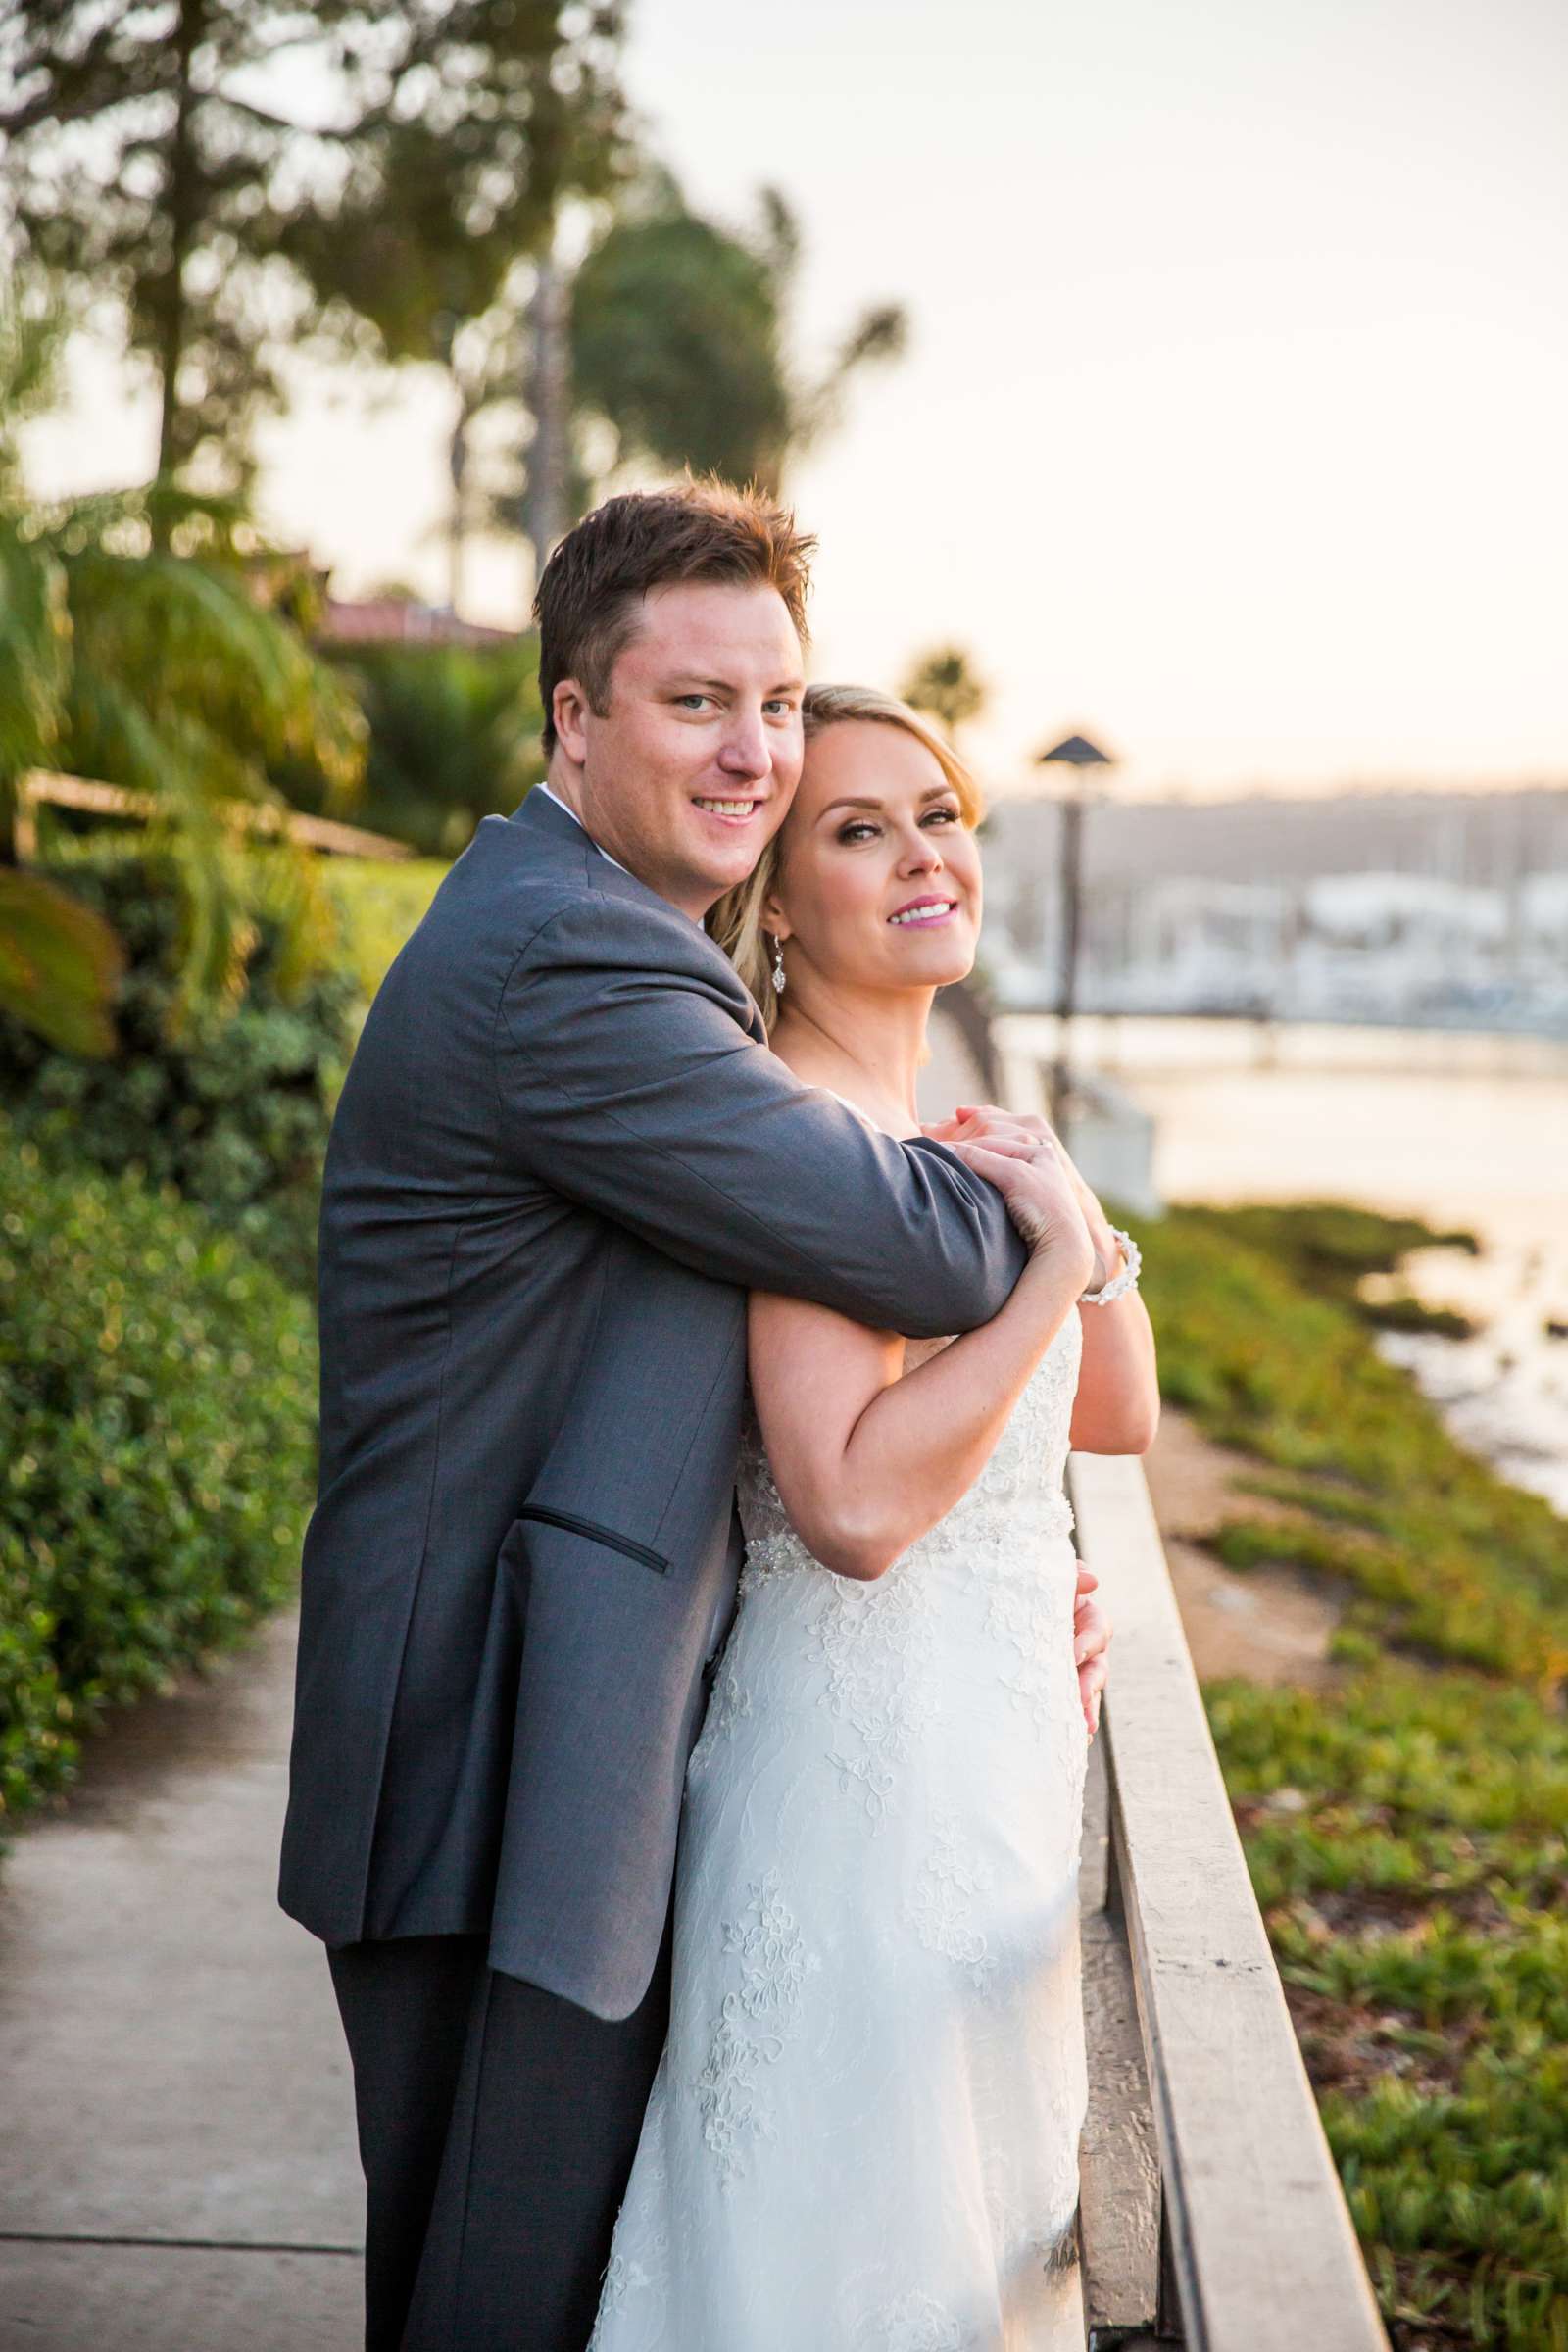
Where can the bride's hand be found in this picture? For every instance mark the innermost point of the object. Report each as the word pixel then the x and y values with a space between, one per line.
pixel 1090 1647
pixel 976 1121
pixel 1023 1160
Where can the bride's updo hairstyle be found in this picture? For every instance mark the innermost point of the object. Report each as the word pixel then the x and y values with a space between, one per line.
pixel 736 922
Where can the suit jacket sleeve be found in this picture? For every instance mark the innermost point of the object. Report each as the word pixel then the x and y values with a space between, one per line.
pixel 629 1080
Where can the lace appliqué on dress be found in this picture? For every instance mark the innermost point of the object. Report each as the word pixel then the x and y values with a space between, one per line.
pixel 877 1643
pixel 915 2322
pixel 1027 1615
pixel 622 2273
pixel 729 1702
pixel 637 2264
pixel 756 2022
pixel 942 1904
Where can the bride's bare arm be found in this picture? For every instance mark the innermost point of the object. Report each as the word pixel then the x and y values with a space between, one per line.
pixel 1116 1409
pixel 865 1460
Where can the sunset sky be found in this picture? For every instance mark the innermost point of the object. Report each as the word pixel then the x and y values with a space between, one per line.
pixel 1233 427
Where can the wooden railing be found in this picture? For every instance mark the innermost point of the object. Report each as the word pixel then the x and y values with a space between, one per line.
pixel 260 818
pixel 1210 2214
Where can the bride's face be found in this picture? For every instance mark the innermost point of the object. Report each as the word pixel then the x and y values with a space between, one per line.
pixel 878 884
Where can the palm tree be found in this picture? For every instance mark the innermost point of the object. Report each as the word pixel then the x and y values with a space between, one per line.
pixel 670 343
pixel 944 684
pixel 679 328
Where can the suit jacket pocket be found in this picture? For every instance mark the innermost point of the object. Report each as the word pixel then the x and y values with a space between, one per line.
pixel 609 1666
pixel 594 1534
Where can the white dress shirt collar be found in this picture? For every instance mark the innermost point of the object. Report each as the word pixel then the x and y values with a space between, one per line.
pixel 578 820
pixel 543 787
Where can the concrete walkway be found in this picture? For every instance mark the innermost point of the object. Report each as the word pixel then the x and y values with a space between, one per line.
pixel 177 2161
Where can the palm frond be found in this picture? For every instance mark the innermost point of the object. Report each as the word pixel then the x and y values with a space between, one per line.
pixel 190 639
pixel 60 963
pixel 188 770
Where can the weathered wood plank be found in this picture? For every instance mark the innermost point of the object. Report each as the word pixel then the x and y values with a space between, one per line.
pixel 244 817
pixel 1261 2246
pixel 1119 2208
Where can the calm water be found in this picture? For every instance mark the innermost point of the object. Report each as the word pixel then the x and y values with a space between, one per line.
pixel 1461 1131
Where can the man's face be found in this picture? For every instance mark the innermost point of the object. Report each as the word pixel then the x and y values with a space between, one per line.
pixel 688 773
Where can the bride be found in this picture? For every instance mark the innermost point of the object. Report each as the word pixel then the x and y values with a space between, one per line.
pixel 863 2136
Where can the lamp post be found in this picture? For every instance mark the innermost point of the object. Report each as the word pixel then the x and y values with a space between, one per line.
pixel 1077 753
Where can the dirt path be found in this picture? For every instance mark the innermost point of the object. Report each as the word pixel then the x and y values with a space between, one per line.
pixel 1271 1624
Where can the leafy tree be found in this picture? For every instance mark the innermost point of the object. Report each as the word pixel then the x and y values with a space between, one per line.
pixel 475 121
pixel 472 120
pixel 667 348
pixel 944 684
pixel 145 166
pixel 679 332
pixel 31 329
pixel 157 155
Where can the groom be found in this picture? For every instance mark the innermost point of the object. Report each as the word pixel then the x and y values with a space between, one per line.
pixel 562 1156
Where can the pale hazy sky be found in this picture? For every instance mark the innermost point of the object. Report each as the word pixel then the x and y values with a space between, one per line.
pixel 1233 427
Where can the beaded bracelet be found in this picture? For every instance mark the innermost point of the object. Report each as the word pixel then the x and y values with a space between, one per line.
pixel 1118 1283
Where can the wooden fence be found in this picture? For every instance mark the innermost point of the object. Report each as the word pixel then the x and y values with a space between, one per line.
pixel 1211 2213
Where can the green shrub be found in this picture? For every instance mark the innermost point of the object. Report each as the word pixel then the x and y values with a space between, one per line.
pixel 157 1449
pixel 453 737
pixel 231 1107
pixel 377 905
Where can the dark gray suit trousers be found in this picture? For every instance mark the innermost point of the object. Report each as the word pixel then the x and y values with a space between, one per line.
pixel 497 2123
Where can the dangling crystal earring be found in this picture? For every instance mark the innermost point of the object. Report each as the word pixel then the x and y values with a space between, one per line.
pixel 778 966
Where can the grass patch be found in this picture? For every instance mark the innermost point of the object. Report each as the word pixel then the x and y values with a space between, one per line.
pixel 1406 1831
pixel 1332 1247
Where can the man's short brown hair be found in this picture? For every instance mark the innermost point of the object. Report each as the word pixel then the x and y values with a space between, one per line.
pixel 591 587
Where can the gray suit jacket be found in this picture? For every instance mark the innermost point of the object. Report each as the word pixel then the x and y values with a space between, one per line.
pixel 562 1156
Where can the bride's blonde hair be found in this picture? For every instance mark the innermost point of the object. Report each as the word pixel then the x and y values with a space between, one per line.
pixel 736 922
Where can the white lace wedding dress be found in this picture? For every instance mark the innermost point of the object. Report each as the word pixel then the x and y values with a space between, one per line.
pixel 863 2132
